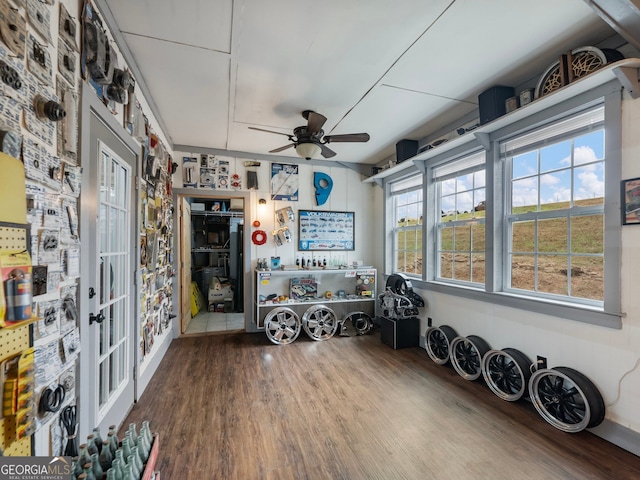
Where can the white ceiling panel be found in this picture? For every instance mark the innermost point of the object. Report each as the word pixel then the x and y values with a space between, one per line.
pixel 190 87
pixel 477 44
pixel 200 23
pixel 393 69
pixel 302 55
pixel 388 115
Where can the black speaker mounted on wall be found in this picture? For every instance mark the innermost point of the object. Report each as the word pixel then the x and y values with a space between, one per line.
pixel 491 102
pixel 406 149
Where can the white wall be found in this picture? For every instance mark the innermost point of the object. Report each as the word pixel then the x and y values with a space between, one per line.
pixel 610 358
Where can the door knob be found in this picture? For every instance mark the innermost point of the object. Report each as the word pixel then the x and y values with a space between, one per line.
pixel 96 318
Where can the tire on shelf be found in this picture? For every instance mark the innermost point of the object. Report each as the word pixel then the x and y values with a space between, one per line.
pixel 507 373
pixel 320 322
pixel 466 355
pixel 566 399
pixel 282 325
pixel 437 343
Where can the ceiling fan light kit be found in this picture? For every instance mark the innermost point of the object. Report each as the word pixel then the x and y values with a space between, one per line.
pixel 308 150
pixel 308 139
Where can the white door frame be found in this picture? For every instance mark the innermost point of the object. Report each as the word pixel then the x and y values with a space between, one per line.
pixel 93 112
pixel 250 211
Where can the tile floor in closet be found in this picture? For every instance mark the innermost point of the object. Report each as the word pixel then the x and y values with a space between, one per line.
pixel 215 322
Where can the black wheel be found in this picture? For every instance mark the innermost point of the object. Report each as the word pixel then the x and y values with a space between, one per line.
pixel 437 342
pixel 466 356
pixel 507 373
pixel 566 399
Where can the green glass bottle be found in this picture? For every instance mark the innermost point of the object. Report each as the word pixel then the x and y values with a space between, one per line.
pixel 113 443
pixel 96 467
pixel 118 467
pixel 83 455
pixel 91 445
pixel 97 439
pixel 111 475
pixel 105 456
pixel 126 448
pixel 87 470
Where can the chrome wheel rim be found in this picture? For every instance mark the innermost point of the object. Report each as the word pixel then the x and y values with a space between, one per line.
pixel 559 400
pixel 282 325
pixel 466 358
pixel 320 322
pixel 506 374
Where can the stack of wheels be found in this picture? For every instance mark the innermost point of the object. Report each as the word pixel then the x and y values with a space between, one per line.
pixel 320 322
pixel 466 356
pixel 506 373
pixel 282 325
pixel 437 342
pixel 356 323
pixel 566 399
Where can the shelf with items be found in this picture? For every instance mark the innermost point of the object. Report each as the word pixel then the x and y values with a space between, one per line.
pixel 342 290
pixel 625 71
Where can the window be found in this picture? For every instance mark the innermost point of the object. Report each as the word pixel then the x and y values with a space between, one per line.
pixel 461 202
pixel 407 205
pixel 554 217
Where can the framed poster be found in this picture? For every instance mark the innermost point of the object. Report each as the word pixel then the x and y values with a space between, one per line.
pixel 322 230
pixel 284 182
pixel 631 201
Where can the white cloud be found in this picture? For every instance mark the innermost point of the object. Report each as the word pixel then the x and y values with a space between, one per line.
pixel 591 185
pixel 584 154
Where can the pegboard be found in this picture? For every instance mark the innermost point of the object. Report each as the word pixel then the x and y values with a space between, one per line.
pixel 13 238
pixel 12 342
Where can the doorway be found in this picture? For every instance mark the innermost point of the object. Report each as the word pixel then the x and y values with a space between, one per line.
pixel 212 235
pixel 108 266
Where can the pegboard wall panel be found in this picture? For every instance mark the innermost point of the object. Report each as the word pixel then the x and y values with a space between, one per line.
pixel 12 342
pixel 13 238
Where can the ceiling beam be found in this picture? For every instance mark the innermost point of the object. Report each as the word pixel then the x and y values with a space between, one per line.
pixel 621 15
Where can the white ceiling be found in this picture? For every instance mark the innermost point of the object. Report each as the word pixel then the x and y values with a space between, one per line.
pixel 393 68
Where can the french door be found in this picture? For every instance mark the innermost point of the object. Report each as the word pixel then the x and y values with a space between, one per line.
pixel 108 327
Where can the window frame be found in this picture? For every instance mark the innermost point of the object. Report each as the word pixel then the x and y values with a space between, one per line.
pixel 609 315
pixel 395 229
pixel 456 223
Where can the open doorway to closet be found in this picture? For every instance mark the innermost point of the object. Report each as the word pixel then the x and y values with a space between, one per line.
pixel 212 264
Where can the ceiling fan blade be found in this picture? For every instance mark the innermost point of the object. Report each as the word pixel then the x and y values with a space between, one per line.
pixel 270 131
pixel 282 148
pixel 315 122
pixel 348 137
pixel 326 151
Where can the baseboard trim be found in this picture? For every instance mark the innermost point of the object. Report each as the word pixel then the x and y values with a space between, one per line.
pixel 145 376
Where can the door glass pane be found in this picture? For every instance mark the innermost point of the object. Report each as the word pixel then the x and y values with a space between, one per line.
pixel 114 276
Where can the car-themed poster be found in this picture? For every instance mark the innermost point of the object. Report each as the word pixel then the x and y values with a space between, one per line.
pixel 284 182
pixel 322 230
pixel 631 201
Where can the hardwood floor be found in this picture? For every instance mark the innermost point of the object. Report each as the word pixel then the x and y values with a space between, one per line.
pixel 238 407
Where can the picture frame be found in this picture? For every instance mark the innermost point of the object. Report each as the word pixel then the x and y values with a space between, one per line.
pixel 321 230
pixel 630 201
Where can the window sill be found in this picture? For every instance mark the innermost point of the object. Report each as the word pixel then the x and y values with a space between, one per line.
pixel 580 313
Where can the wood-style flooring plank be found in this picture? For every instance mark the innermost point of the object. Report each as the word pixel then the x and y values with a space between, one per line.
pixel 239 407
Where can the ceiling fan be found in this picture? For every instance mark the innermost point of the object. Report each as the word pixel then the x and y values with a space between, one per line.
pixel 308 139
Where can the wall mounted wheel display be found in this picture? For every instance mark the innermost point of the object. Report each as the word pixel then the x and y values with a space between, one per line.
pixel 437 342
pixel 361 322
pixel 584 60
pixel 282 325
pixel 507 373
pixel 320 322
pixel 466 356
pixel 566 399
